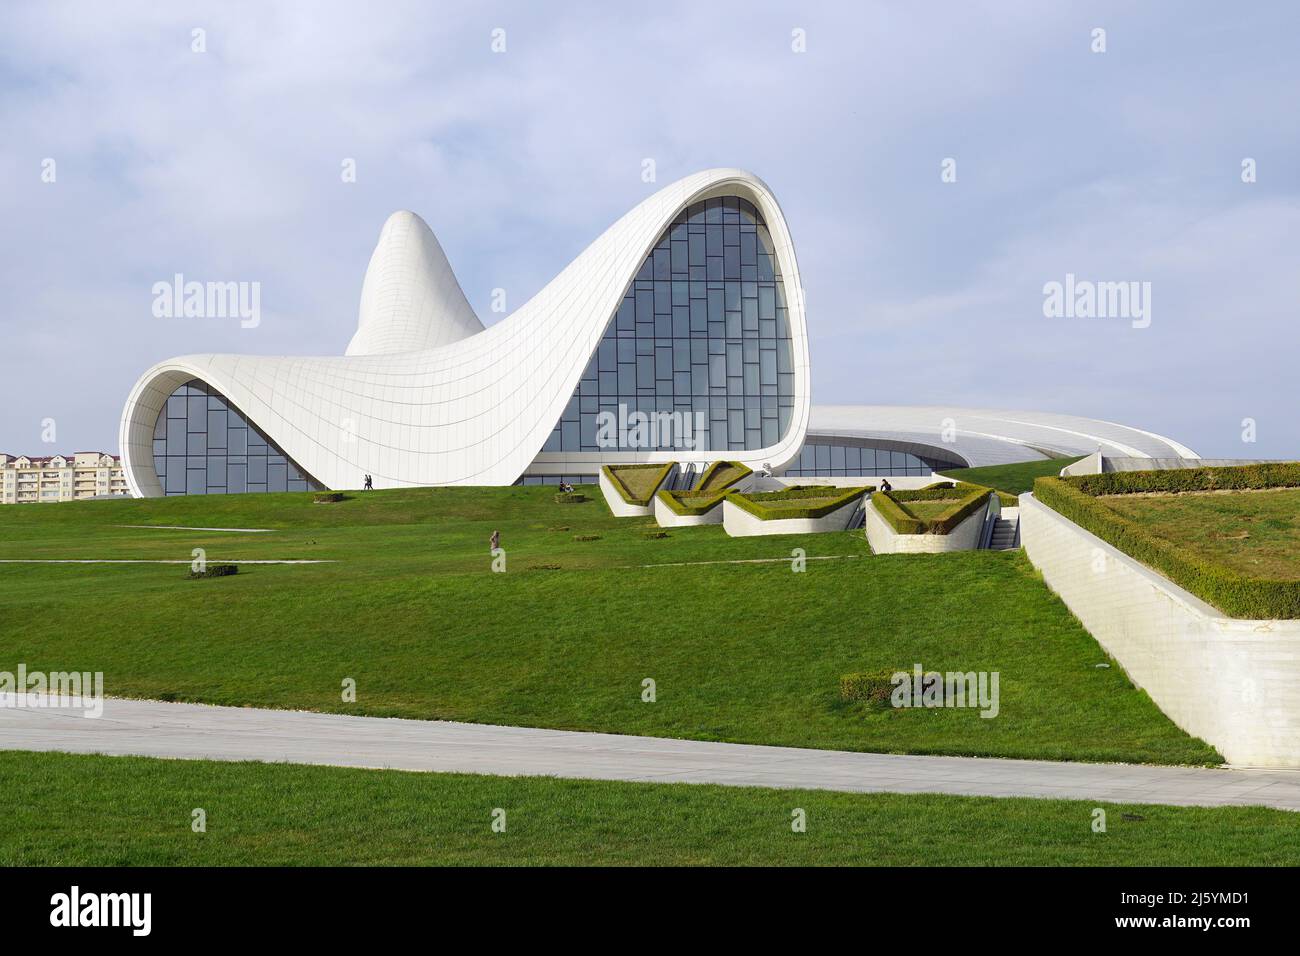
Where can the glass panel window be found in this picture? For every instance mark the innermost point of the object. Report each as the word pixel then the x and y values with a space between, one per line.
pixel 202 443
pixel 689 326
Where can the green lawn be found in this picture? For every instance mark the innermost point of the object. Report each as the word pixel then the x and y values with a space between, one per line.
pixel 1014 479
pixel 410 610
pixel 1254 532
pixel 71 810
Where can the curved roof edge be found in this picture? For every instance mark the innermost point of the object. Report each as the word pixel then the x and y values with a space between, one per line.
pixel 472 411
pixel 983 436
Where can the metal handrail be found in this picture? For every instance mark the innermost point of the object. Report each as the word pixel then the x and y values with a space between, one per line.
pixel 990 520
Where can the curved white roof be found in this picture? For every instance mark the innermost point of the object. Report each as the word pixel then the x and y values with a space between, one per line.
pixel 425 395
pixel 984 436
pixel 410 299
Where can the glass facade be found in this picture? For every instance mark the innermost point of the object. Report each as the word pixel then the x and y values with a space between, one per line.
pixel 830 460
pixel 700 344
pixel 557 479
pixel 203 445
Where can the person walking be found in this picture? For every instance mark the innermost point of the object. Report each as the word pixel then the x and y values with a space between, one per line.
pixel 495 540
pixel 369 486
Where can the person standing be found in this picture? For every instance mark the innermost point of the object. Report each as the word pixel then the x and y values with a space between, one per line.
pixel 495 540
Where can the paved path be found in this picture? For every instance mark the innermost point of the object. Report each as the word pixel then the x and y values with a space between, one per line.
pixel 180 527
pixel 159 729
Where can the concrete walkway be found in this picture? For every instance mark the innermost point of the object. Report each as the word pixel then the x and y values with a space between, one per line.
pixel 157 729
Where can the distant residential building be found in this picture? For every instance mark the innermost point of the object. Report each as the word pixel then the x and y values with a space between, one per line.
pixel 25 479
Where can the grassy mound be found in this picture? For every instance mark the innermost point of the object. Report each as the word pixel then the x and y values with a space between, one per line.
pixel 407 604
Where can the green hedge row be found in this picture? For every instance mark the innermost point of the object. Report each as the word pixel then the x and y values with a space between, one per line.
pixel 692 503
pixel 725 480
pixel 612 473
pixel 896 515
pixel 1231 478
pixel 793 492
pixel 945 489
pixel 1232 592
pixel 759 504
pixel 875 688
pixel 215 571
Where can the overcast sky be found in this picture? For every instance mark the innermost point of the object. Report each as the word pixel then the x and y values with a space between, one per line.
pixel 226 165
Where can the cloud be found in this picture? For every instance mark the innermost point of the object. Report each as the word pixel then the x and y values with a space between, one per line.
pixel 226 165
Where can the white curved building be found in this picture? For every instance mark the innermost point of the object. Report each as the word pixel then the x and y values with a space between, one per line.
pixel 678 334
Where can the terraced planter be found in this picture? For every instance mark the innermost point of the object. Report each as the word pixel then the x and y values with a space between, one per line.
pixel 629 490
pixel 792 511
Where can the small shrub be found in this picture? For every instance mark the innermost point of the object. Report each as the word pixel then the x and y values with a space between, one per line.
pixel 586 537
pixel 544 567
pixel 215 571
pixel 327 497
pixel 563 527
pixel 874 687
pixel 656 534
pixel 570 498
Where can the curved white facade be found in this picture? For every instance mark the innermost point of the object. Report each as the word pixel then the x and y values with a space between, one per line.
pixel 984 436
pixel 426 396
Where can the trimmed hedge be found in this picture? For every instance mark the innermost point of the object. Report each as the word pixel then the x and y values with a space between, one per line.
pixel 1233 593
pixel 570 498
pixel 689 504
pixel 944 489
pixel 215 571
pixel 736 472
pixel 829 498
pixel 890 505
pixel 875 688
pixel 702 500
pixel 661 472
pixel 1229 478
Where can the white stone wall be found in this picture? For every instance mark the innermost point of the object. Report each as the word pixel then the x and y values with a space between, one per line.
pixel 1233 683
pixel 739 523
pixel 885 540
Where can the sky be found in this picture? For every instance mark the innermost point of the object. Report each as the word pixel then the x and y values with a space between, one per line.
pixel 225 163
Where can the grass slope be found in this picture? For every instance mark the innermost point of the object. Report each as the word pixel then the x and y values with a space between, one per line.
pixel 112 811
pixel 1014 479
pixel 411 611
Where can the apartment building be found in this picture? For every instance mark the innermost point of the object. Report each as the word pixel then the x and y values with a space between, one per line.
pixel 25 479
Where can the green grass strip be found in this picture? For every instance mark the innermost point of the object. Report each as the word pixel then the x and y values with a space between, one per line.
pixel 288 815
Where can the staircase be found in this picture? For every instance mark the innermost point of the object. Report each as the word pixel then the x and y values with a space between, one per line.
pixel 1006 531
